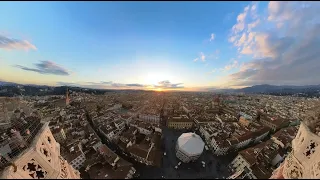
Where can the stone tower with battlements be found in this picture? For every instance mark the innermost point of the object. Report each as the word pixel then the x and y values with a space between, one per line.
pixel 40 160
pixel 304 160
pixel 67 97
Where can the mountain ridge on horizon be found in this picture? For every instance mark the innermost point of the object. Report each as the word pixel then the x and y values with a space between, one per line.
pixel 253 88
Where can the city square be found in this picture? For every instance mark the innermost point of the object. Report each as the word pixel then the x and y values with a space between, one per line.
pixel 215 166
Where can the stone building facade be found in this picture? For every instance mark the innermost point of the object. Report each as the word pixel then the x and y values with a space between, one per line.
pixel 41 160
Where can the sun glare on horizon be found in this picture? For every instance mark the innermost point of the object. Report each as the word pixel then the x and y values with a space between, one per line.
pixel 151 46
pixel 159 90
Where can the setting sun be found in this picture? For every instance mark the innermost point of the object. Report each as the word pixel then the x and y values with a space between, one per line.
pixel 233 52
pixel 158 89
pixel 154 78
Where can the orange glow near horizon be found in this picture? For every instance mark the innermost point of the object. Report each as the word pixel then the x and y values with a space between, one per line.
pixel 158 90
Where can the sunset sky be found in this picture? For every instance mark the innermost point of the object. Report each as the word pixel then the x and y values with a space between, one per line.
pixel 160 45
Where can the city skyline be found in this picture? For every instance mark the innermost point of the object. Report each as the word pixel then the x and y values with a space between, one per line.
pixel 160 45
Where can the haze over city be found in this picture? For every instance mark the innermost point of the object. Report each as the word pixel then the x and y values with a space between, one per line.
pixel 160 45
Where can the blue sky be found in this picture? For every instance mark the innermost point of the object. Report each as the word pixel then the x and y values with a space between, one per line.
pixel 116 44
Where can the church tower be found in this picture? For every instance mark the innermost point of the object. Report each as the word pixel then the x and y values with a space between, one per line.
pixel 41 159
pixel 67 97
pixel 303 162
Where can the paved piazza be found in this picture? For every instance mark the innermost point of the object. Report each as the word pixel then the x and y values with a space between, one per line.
pixel 215 169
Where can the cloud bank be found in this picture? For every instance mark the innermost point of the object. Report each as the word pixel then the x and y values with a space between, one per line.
pixel 10 43
pixel 168 85
pixel 101 84
pixel 46 67
pixel 283 44
pixel 112 85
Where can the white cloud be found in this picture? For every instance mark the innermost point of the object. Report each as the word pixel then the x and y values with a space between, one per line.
pixel 240 21
pixel 253 24
pixel 285 53
pixel 242 40
pixel 212 37
pixel 168 85
pixel 201 57
pixel 11 43
pixel 232 65
pixel 103 85
pixel 46 67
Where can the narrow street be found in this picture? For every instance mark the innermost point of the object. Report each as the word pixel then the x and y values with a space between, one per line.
pixel 114 147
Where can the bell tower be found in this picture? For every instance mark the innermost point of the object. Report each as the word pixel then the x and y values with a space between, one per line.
pixel 67 97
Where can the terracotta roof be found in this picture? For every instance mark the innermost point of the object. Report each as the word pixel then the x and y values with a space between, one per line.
pixel 216 99
pixel 261 172
pixel 275 120
pixel 122 143
pixel 245 136
pixel 56 130
pixel 100 171
pixel 140 150
pixel 269 152
pixel 261 131
pixel 249 154
pixel 70 156
pixel 107 153
pixel 286 135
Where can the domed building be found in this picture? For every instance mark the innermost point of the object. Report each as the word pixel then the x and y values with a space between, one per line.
pixel 189 147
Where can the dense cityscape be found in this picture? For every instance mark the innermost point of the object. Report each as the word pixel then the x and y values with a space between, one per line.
pixel 137 134
pixel 160 90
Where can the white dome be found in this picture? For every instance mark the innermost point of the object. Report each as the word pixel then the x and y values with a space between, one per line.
pixel 191 144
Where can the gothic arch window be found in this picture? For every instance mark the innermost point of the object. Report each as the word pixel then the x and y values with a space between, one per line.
pixel 292 169
pixel 34 170
pixel 295 173
pixel 50 139
pixel 64 171
pixel 310 149
pixel 45 152
pixel 289 161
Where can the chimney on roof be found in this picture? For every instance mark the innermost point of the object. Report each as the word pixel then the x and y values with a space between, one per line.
pixel 115 161
pixel 72 149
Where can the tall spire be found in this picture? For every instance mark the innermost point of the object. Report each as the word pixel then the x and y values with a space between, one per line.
pixel 67 97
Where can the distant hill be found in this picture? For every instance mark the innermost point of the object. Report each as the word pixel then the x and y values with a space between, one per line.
pixel 266 88
pixel 4 83
pixel 305 91
pixel 9 89
pixel 13 89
